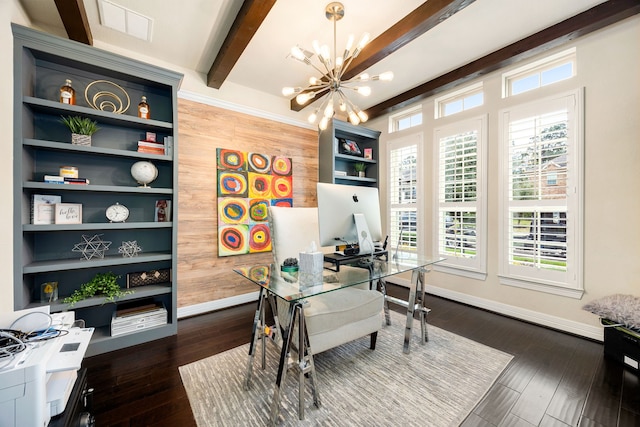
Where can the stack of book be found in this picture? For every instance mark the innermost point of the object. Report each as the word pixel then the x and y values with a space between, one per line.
pixel 57 179
pixel 133 319
pixel 151 146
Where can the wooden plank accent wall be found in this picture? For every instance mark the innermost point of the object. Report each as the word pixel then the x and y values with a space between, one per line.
pixel 202 275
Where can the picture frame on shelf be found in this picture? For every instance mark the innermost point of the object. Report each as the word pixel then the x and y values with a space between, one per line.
pixel 152 277
pixel 68 213
pixel 350 147
pixel 162 211
pixel 43 208
pixel 368 153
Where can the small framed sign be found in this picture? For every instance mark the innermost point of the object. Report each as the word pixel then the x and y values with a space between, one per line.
pixel 68 213
pixel 368 153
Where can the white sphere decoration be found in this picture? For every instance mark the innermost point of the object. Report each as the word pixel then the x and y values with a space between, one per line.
pixel 144 172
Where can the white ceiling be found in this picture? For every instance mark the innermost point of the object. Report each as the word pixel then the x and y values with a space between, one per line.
pixel 189 33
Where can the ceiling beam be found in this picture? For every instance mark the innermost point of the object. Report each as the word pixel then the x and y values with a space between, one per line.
pixel 598 17
pixel 74 19
pixel 247 22
pixel 422 19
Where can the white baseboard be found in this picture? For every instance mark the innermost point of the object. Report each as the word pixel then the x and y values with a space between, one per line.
pixel 205 307
pixel 554 322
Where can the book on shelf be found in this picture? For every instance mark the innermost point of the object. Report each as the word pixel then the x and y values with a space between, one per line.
pixel 150 144
pixel 55 179
pixel 43 208
pixel 151 150
pixel 151 147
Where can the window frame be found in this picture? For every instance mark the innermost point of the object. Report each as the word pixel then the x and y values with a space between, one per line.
pixel 475 267
pixel 569 283
pixel 536 68
pixel 409 113
pixel 461 95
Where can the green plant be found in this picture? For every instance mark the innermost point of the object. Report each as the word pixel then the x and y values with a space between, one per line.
pixel 102 284
pixel 360 166
pixel 80 125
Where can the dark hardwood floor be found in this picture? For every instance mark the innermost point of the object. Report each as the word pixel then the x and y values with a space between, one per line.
pixel 555 379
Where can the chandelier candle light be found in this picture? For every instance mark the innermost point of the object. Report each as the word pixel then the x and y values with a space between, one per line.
pixel 330 83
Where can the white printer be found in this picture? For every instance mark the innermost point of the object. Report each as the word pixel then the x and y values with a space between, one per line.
pixel 35 383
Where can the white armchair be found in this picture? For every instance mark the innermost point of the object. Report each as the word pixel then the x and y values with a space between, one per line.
pixel 332 318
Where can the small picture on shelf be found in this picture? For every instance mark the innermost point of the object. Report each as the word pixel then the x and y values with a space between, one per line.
pixel 349 147
pixel 68 213
pixel 163 211
pixel 43 208
pixel 368 153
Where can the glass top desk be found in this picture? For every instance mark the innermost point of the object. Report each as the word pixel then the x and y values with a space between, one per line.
pixel 274 283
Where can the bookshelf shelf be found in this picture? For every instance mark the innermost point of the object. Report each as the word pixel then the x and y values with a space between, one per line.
pixel 44 252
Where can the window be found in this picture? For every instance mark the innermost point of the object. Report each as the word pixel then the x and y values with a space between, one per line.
pixel 549 70
pixel 460 100
pixel 461 203
pixel 405 119
pixel 404 187
pixel 541 195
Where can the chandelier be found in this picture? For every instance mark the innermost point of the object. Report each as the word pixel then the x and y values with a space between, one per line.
pixel 332 69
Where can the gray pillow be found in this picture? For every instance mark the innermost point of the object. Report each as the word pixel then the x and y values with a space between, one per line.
pixel 623 309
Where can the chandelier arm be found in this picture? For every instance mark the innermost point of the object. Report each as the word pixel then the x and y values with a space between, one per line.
pixel 319 94
pixel 323 104
pixel 346 64
pixel 316 67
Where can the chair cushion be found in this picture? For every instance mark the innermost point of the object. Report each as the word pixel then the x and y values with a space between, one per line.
pixel 329 311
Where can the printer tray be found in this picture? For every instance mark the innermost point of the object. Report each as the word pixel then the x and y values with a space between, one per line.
pixel 77 410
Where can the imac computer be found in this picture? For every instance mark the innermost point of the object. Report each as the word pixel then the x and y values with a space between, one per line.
pixel 349 214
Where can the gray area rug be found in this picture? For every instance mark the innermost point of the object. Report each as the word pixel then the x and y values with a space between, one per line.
pixel 437 384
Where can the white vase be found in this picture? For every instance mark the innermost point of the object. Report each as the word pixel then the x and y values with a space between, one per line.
pixel 78 139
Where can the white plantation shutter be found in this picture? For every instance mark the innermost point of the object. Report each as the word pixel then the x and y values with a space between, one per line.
pixel 460 180
pixel 403 187
pixel 541 153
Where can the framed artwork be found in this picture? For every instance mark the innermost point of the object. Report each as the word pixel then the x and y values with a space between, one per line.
pixel 349 147
pixel 68 213
pixel 248 183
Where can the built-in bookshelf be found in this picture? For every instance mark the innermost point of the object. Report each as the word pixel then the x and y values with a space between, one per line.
pixel 42 145
pixel 337 163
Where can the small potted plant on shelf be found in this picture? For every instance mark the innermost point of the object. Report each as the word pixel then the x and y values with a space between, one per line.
pixel 81 129
pixel 102 284
pixel 360 168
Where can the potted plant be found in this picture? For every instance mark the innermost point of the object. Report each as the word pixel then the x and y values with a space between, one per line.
pixel 104 284
pixel 81 129
pixel 360 168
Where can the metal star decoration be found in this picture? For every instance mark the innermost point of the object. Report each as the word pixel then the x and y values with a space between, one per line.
pixel 92 247
pixel 130 248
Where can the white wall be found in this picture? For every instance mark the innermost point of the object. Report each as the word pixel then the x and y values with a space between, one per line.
pixel 10 11
pixel 608 66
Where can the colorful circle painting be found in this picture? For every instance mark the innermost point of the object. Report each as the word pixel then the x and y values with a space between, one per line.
pixel 231 159
pixel 258 209
pixel 232 184
pixel 259 238
pixel 260 185
pixel 260 163
pixel 281 165
pixel 233 210
pixel 233 240
pixel 281 187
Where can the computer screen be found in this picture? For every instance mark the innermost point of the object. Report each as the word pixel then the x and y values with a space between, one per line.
pixel 338 208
